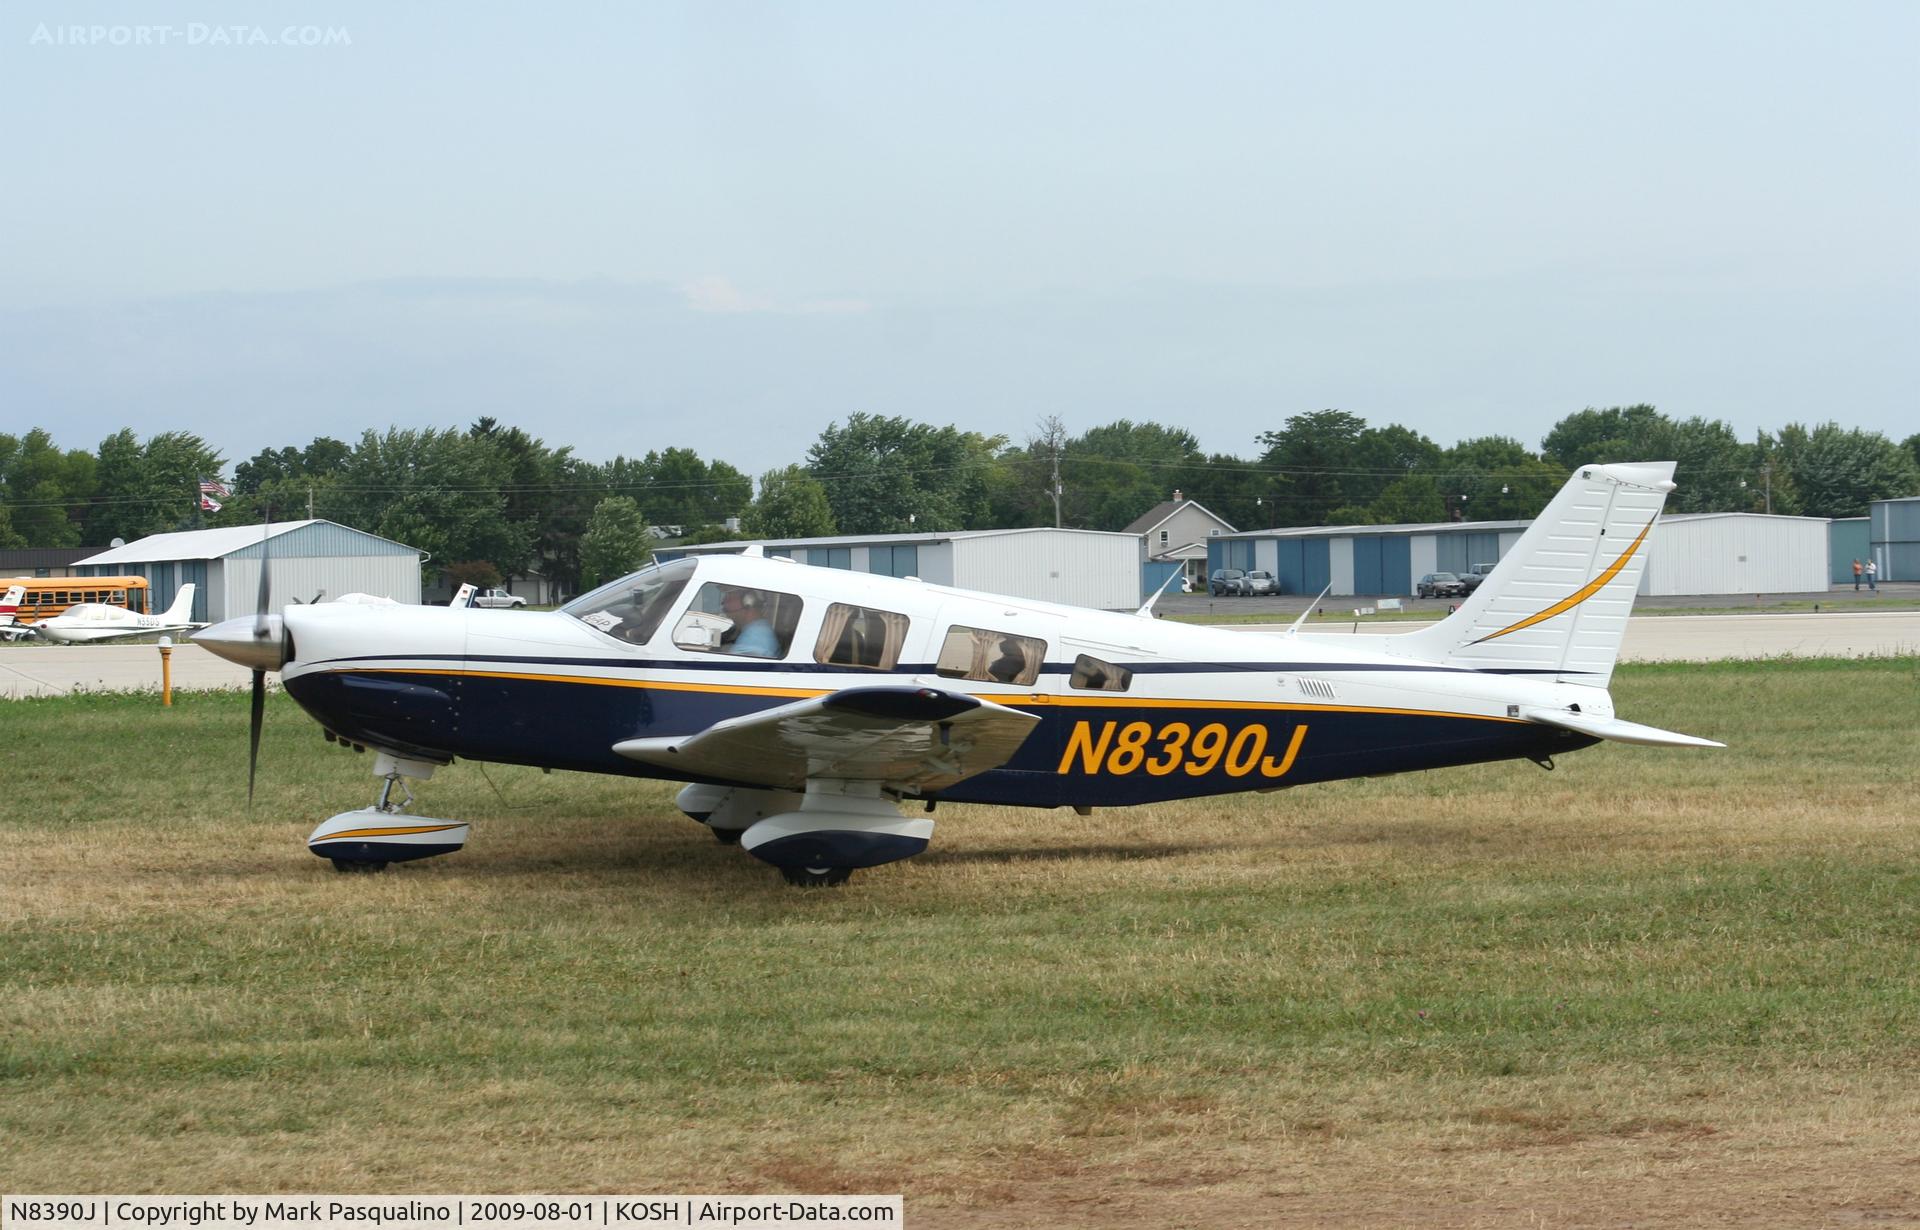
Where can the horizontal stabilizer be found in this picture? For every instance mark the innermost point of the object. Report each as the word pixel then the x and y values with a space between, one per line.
pixel 1613 728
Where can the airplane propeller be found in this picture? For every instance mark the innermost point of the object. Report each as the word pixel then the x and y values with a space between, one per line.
pixel 262 629
pixel 257 642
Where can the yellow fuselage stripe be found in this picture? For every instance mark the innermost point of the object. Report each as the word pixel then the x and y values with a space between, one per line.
pixel 1119 701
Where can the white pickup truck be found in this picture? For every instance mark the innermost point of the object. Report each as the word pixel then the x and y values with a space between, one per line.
pixel 497 599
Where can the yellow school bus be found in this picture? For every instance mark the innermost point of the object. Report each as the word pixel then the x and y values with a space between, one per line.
pixel 46 597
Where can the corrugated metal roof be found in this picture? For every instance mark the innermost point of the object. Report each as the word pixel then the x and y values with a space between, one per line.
pixel 234 540
pixel 1757 516
pixel 861 540
pixel 1426 527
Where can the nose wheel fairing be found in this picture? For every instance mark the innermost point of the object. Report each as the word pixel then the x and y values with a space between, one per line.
pixel 369 838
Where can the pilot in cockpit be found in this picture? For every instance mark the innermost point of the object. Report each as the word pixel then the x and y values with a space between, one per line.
pixel 751 636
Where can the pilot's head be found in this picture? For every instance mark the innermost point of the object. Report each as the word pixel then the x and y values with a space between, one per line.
pixel 740 604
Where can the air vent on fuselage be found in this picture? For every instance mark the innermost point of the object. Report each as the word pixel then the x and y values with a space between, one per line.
pixel 1319 689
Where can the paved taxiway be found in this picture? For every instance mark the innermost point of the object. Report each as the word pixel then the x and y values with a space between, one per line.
pixel 56 670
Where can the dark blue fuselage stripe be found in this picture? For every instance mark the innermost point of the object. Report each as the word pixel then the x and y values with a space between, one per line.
pixel 727 663
pixel 557 724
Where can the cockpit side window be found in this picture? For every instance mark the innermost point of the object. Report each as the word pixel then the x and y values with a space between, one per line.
pixel 739 619
pixel 990 657
pixel 633 607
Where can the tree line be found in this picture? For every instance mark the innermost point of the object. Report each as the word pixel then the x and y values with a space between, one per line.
pixel 492 501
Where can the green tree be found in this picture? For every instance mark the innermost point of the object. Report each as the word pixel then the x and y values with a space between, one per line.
pixel 1502 479
pixel 889 475
pixel 615 542
pixel 1116 472
pixel 1311 460
pixel 1838 471
pixel 791 504
pixel 1618 433
pixel 46 489
pixel 439 490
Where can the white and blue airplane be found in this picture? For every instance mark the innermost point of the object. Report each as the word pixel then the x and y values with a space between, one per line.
pixel 804 705
pixel 85 623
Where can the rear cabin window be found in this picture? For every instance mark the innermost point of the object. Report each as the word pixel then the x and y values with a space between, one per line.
pixel 739 619
pixel 861 637
pixel 1092 675
pixel 990 657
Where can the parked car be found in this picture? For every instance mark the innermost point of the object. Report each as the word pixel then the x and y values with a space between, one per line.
pixel 498 598
pixel 1258 583
pixel 1225 582
pixel 1441 585
pixel 1473 576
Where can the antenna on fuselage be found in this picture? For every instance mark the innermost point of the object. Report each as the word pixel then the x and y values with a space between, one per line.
pixel 1295 625
pixel 1146 608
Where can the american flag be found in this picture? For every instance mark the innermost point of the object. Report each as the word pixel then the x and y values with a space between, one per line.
pixel 210 487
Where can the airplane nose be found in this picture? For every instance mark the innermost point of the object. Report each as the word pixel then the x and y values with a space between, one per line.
pixel 234 640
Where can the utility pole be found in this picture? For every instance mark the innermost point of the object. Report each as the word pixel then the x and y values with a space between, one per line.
pixel 309 501
pixel 1766 472
pixel 1053 433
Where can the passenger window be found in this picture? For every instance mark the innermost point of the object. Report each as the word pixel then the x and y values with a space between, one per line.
pixel 860 636
pixel 737 619
pixel 1093 675
pixel 990 657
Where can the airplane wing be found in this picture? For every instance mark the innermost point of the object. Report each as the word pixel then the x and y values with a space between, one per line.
pixel 908 738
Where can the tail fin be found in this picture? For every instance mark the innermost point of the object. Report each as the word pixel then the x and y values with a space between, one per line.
pixel 10 603
pixel 1557 603
pixel 464 595
pixel 181 612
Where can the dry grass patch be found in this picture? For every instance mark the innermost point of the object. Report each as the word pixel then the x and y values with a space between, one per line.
pixel 1652 986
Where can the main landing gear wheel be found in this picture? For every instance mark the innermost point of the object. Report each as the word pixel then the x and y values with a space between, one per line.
pixel 816 877
pixel 354 866
pixel 728 837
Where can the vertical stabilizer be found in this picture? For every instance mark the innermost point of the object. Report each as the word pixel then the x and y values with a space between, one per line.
pixel 181 612
pixel 1557 603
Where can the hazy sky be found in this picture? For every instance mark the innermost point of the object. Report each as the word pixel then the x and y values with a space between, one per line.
pixel 725 225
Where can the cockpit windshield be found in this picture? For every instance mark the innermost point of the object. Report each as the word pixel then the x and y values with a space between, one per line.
pixel 633 607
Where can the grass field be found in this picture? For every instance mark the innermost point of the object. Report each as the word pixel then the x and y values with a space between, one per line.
pixel 1651 987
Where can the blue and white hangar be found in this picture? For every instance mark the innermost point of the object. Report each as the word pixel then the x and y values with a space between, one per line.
pixel 1688 553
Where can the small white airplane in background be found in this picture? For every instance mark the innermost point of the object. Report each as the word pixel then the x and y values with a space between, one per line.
pixel 802 705
pixel 10 625
pixel 97 621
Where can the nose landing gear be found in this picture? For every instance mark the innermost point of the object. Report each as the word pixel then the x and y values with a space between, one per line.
pixel 367 839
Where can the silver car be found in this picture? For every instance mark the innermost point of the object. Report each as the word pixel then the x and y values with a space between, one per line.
pixel 1256 584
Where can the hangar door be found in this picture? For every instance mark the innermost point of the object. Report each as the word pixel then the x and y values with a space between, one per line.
pixel 1302 565
pixel 1382 565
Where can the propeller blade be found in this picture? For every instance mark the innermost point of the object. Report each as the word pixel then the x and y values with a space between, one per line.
pixel 253 735
pixel 266 565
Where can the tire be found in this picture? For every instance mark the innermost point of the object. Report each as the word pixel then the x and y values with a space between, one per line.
pixel 349 866
pixel 727 837
pixel 816 877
